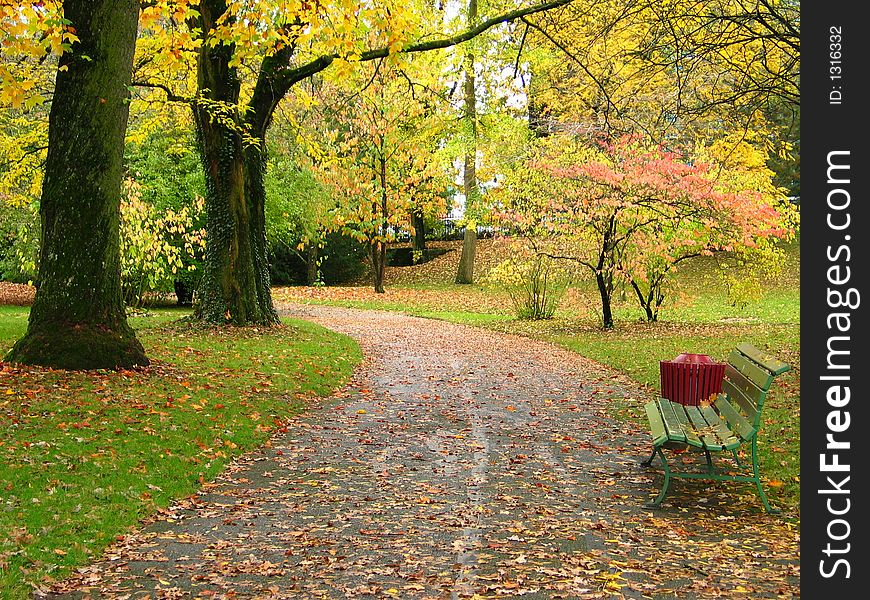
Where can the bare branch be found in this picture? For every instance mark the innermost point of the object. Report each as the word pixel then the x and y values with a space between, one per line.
pixel 170 95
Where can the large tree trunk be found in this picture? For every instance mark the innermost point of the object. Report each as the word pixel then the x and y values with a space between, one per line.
pixel 465 271
pixel 235 286
pixel 78 320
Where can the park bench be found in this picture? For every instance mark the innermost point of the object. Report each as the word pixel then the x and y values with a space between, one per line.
pixel 732 420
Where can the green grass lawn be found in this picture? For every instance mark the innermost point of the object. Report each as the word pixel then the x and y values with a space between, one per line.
pixel 84 456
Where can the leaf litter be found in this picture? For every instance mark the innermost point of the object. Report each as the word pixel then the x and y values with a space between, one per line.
pixel 458 464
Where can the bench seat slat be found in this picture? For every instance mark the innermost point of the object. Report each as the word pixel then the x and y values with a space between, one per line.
pixel 677 424
pixel 692 437
pixel 709 435
pixel 656 425
pixel 726 436
pixel 672 425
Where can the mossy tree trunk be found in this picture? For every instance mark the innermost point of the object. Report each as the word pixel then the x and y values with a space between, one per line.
pixel 78 318
pixel 235 284
pixel 465 270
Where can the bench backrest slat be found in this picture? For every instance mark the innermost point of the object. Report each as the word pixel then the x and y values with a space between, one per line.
pixel 747 402
pixel 738 423
pixel 768 361
pixel 748 377
pixel 751 370
pixel 750 391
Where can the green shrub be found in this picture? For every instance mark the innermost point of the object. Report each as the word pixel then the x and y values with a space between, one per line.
pixel 157 247
pixel 19 242
pixel 535 285
pixel 286 265
pixel 344 259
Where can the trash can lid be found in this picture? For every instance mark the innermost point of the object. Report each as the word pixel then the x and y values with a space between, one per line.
pixel 693 358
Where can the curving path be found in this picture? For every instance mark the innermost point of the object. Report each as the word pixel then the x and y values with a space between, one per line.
pixel 459 463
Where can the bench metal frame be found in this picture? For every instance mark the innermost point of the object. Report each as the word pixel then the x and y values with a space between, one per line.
pixel 730 422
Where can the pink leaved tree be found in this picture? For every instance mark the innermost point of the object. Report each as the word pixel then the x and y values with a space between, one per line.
pixel 634 211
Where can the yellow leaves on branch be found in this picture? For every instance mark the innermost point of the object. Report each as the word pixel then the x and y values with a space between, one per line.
pixel 30 30
pixel 155 247
pixel 22 146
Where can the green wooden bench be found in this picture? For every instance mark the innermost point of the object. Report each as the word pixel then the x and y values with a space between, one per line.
pixel 731 421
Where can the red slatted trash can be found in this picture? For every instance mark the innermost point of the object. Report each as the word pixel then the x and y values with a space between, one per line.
pixel 690 378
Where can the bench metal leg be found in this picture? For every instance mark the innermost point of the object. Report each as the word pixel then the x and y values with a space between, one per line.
pixel 757 477
pixel 710 468
pixel 665 484
pixel 736 458
pixel 648 461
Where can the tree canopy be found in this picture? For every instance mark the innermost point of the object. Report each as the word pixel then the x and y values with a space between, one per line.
pixel 713 85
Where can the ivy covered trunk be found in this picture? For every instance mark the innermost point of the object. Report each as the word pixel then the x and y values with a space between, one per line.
pixel 235 284
pixel 78 318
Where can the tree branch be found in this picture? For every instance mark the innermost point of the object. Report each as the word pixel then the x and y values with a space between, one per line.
pixel 170 95
pixel 286 78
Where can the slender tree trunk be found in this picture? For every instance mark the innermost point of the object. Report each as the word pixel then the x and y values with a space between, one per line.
pixel 465 271
pixel 604 273
pixel 235 286
pixel 419 225
pixel 378 255
pixel 311 256
pixel 78 320
pixel 604 290
pixel 645 302
pixel 379 247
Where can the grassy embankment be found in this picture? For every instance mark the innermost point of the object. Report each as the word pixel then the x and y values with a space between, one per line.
pixel 85 456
